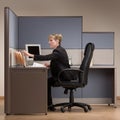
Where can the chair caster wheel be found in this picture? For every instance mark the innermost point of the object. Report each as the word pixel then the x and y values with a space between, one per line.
pixel 7 114
pixel 85 109
pixel 89 108
pixel 69 109
pixel 62 109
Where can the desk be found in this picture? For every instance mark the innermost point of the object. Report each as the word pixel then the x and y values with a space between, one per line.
pixel 26 91
pixel 110 76
pixel 101 87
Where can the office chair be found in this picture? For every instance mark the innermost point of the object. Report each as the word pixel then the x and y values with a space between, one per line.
pixel 75 78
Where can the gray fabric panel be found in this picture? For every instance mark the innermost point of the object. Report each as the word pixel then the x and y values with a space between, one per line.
pixel 36 30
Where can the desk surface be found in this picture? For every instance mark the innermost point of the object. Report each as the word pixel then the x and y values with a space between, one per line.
pixel 97 66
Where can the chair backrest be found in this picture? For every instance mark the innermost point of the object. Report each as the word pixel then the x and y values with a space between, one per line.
pixel 88 53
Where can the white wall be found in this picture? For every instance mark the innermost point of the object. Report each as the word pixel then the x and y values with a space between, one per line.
pixel 98 16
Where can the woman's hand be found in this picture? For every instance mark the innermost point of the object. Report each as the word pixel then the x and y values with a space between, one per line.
pixel 25 53
pixel 47 65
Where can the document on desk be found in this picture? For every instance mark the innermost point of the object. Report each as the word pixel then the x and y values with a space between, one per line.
pixel 35 64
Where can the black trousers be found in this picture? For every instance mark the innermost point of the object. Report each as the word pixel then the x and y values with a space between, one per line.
pixel 51 82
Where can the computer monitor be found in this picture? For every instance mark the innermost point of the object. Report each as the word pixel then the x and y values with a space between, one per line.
pixel 33 49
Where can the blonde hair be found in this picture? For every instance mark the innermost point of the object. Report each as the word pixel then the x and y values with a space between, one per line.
pixel 56 37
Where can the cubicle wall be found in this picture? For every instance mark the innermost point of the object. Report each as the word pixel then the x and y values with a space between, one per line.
pixel 37 29
pixel 11 43
pixel 30 30
pixel 11 33
pixel 104 47
pixel 13 30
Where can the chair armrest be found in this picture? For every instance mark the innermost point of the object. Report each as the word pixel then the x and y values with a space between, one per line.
pixel 69 74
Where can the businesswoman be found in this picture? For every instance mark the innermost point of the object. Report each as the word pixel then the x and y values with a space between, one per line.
pixel 59 61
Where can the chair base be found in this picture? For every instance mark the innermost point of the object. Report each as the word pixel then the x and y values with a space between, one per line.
pixel 86 107
pixel 71 103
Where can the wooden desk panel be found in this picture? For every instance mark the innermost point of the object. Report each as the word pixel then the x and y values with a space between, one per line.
pixel 28 91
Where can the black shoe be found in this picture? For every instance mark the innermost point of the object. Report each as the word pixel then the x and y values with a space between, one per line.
pixel 66 91
pixel 51 108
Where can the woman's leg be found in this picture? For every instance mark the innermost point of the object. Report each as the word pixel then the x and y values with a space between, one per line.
pixel 51 82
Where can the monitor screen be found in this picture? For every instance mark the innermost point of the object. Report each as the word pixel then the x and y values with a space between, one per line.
pixel 33 49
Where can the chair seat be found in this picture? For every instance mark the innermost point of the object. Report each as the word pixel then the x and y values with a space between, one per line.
pixel 68 85
pixel 71 85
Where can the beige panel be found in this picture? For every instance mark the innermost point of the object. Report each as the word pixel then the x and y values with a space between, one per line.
pixel 103 57
pixel 12 61
pixel 73 54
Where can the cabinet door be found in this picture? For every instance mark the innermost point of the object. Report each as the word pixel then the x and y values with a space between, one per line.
pixel 28 90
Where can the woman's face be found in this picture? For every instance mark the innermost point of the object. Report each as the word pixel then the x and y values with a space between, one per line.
pixel 53 43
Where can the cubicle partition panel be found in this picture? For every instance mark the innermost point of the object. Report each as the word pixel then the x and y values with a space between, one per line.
pixel 103 69
pixel 37 29
pixel 104 47
pixel 11 43
pixel 33 81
